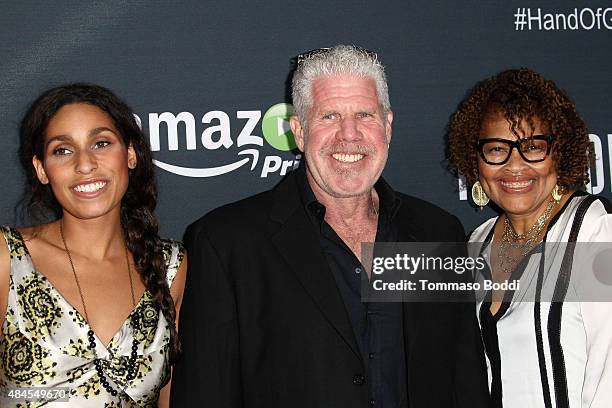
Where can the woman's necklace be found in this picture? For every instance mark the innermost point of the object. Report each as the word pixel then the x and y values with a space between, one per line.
pixel 514 247
pixel 90 333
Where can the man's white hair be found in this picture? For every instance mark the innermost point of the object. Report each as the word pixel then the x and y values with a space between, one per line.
pixel 338 60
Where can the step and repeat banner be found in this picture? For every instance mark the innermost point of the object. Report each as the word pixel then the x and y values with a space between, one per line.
pixel 209 82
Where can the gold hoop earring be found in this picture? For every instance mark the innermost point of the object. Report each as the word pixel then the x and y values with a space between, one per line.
pixel 557 193
pixel 478 195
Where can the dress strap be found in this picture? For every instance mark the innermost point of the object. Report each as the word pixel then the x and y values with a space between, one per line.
pixel 174 252
pixel 14 242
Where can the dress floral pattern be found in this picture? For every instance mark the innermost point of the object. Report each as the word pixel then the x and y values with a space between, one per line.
pixel 44 342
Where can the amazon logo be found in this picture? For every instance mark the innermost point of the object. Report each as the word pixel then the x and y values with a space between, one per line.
pixel 217 134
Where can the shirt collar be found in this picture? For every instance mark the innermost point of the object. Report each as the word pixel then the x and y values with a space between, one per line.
pixel 388 202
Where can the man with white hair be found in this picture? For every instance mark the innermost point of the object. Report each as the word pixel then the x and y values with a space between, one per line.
pixel 272 314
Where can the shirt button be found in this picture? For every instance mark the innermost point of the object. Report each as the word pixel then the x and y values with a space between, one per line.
pixel 371 355
pixel 357 270
pixel 358 379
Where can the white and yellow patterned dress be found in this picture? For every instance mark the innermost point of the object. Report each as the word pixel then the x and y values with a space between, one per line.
pixel 44 342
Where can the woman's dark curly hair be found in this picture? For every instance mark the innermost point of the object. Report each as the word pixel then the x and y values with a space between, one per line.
pixel 140 227
pixel 521 94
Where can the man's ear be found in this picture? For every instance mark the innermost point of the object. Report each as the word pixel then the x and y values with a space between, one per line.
pixel 40 170
pixel 388 121
pixel 298 131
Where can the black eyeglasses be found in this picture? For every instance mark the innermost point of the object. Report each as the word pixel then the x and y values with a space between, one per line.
pixel 532 149
pixel 317 51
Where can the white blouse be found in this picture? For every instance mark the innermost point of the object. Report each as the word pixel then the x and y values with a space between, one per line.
pixel 517 365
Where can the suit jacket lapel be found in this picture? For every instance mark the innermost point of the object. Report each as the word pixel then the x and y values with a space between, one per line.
pixel 297 242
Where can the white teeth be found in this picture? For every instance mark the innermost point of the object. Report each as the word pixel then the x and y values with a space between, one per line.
pixel 347 158
pixel 90 188
pixel 517 184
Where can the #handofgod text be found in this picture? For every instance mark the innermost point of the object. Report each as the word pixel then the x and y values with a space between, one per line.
pixel 404 262
pixel 426 285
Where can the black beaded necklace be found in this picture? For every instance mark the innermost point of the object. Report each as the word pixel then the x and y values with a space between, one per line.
pixel 90 333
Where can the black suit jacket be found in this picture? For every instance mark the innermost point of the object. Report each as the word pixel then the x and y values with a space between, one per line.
pixel 263 325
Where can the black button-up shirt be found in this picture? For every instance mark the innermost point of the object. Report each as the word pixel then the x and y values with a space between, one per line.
pixel 378 327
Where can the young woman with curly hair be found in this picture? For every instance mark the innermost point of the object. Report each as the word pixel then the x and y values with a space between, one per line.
pixel 520 143
pixel 89 300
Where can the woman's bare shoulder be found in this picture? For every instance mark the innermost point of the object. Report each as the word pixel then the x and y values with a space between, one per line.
pixel 4 253
pixel 31 233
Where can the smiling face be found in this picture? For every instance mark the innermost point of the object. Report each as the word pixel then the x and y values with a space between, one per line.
pixel 346 135
pixel 521 189
pixel 85 161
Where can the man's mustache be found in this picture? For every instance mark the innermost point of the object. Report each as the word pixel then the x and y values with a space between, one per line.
pixel 348 148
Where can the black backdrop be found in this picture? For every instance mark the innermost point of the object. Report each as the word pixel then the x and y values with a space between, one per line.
pixel 211 70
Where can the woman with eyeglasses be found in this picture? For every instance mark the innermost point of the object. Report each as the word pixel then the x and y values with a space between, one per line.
pixel 520 143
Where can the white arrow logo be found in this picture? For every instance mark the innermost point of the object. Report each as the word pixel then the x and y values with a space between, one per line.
pixel 282 126
pixel 213 171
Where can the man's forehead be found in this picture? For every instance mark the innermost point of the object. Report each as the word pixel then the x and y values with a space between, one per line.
pixel 343 80
pixel 341 90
